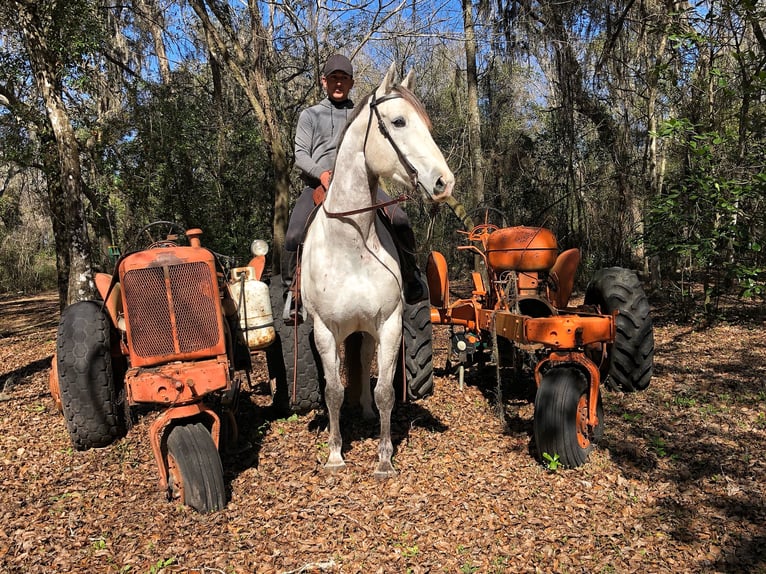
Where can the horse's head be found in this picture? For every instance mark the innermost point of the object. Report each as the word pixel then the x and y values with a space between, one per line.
pixel 399 143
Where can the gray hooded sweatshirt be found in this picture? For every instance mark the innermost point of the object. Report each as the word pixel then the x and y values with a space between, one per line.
pixel 316 138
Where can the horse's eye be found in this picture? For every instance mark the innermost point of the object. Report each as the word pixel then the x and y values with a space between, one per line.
pixel 399 122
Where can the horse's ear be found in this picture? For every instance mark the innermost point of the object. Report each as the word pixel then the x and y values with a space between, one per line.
pixel 388 81
pixel 409 81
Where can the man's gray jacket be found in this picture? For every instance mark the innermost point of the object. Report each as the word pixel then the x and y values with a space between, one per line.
pixel 316 138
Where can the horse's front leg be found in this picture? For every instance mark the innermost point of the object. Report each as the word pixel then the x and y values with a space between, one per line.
pixel 334 391
pixel 388 352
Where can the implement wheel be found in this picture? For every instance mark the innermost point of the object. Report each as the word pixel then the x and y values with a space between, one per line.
pixel 195 473
pixel 561 417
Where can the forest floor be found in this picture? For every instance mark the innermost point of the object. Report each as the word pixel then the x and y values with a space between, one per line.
pixel 678 483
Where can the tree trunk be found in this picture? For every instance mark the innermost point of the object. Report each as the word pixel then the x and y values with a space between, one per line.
pixel 474 119
pixel 67 210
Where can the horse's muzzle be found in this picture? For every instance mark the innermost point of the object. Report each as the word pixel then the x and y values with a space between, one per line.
pixel 443 188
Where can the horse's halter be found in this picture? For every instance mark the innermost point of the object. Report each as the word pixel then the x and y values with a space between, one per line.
pixel 412 173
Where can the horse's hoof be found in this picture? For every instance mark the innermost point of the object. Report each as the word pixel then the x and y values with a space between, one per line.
pixel 334 467
pixel 384 473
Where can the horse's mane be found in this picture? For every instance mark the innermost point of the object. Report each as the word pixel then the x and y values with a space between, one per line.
pixel 404 92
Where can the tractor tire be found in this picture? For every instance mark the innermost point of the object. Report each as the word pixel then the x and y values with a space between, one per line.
pixel 560 423
pixel 89 395
pixel 630 359
pixel 417 332
pixel 195 473
pixel 293 352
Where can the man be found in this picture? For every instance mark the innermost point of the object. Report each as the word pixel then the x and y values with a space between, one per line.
pixel 316 139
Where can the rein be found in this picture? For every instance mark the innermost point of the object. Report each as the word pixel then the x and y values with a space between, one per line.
pixel 402 198
pixel 409 168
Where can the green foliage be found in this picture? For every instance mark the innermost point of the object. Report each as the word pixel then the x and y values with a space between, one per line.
pixel 202 164
pixel 709 224
pixel 552 463
pixel 658 445
pixel 160 565
pixel 27 257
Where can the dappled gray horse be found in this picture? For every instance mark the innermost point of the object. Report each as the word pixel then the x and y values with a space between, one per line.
pixel 351 281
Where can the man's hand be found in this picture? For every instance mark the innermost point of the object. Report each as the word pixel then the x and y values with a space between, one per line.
pixel 325 178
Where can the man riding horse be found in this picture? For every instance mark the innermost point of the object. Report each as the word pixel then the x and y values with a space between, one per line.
pixel 316 140
pixel 351 283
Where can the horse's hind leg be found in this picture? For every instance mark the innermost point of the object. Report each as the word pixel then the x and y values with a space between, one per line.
pixel 367 351
pixel 388 351
pixel 328 350
pixel 360 348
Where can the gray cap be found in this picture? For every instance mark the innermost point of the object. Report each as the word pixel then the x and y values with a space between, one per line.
pixel 338 63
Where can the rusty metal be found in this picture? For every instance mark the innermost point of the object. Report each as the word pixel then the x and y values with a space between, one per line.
pixel 521 249
pixel 578 359
pixel 522 295
pixel 173 319
pixel 172 305
pixel 53 385
pixel 172 416
pixel 177 383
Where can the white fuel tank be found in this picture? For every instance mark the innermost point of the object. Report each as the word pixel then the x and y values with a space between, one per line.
pixel 253 307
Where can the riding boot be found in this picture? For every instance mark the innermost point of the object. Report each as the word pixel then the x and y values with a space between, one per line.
pixel 289 266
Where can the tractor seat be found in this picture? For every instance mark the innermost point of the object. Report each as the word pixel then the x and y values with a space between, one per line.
pixel 521 249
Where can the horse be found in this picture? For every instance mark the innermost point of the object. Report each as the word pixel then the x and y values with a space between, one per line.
pixel 350 278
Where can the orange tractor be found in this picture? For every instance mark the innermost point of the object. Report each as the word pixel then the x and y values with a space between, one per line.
pixel 519 307
pixel 173 332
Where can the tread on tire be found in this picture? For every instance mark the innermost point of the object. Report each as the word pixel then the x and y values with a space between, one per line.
pixel 630 359
pixel 89 395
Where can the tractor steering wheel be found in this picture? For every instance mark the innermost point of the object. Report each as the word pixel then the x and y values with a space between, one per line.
pixel 482 231
pixel 159 234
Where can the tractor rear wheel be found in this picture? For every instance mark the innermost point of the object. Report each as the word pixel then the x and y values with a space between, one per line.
pixel 561 417
pixel 292 353
pixel 417 332
pixel 89 395
pixel 195 473
pixel 630 359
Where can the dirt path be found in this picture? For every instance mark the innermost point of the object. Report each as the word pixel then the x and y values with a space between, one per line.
pixel 677 485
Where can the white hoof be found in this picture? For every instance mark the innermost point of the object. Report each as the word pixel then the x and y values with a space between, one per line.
pixel 384 471
pixel 334 467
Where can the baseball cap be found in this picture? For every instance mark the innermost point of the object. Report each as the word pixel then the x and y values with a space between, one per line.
pixel 338 63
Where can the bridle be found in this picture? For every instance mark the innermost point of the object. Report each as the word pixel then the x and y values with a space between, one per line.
pixel 412 173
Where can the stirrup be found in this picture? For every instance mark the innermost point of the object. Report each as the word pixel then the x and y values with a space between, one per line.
pixel 290 314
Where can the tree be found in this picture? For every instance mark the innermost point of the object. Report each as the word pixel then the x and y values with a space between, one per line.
pixel 474 120
pixel 39 26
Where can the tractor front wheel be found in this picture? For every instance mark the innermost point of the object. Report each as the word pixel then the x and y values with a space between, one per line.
pixel 89 395
pixel 561 418
pixel 630 359
pixel 195 473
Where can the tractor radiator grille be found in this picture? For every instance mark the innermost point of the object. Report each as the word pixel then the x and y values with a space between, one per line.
pixel 157 327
